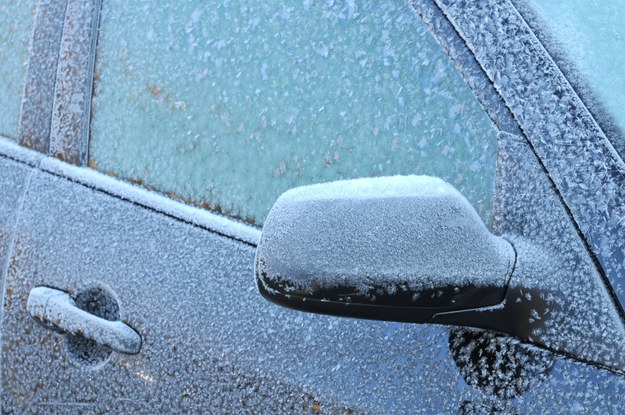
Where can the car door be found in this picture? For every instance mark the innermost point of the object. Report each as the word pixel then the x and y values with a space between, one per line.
pixel 182 277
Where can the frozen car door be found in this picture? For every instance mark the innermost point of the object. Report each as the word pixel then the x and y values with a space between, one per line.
pixel 182 277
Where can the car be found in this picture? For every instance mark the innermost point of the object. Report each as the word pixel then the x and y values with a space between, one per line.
pixel 448 174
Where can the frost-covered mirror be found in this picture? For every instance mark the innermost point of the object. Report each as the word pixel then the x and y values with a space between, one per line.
pixel 399 248
pixel 413 249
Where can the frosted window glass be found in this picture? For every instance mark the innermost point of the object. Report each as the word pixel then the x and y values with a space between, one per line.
pixel 16 19
pixel 593 36
pixel 226 104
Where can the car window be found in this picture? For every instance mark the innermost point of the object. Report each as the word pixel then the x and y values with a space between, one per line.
pixel 16 19
pixel 593 37
pixel 227 105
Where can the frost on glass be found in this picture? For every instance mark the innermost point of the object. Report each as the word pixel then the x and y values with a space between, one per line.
pixel 227 105
pixel 16 18
pixel 593 36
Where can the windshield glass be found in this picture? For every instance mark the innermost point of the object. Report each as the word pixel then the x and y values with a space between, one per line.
pixel 592 35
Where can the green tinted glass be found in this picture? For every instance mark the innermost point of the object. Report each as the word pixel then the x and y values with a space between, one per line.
pixel 16 18
pixel 228 104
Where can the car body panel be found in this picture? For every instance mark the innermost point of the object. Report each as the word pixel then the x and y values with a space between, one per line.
pixel 184 280
pixel 13 182
pixel 211 343
pixel 184 276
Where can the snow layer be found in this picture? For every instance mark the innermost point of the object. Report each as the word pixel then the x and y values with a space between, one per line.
pixel 394 187
pixel 367 233
pixel 57 310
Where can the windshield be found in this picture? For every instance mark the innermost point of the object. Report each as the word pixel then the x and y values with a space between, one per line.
pixel 591 35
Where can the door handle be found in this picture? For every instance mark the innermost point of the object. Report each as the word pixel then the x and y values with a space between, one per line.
pixel 56 310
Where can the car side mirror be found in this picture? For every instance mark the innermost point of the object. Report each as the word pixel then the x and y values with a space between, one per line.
pixel 402 248
pixel 413 249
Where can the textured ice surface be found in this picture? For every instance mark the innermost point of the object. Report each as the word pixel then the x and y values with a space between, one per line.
pixel 593 36
pixel 74 74
pixel 572 309
pixel 228 105
pixel 467 65
pixel 13 176
pixel 152 200
pixel 582 163
pixel 580 83
pixel 16 18
pixel 213 345
pixel 36 112
pixel 403 231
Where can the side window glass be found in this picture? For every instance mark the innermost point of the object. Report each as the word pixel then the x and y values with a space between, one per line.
pixel 16 19
pixel 227 105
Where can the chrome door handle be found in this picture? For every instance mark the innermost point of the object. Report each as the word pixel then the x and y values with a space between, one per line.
pixel 56 310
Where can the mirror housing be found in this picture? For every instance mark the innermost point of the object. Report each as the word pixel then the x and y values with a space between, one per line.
pixel 401 248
